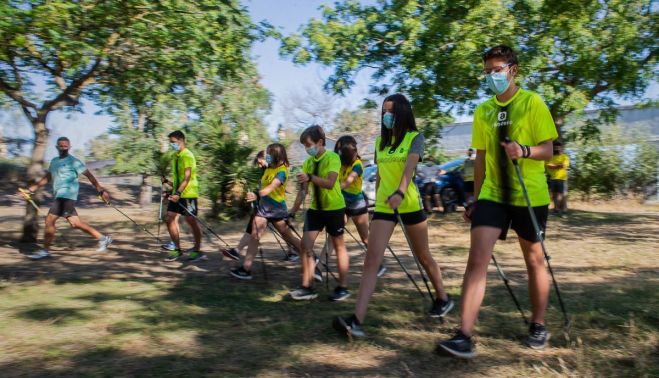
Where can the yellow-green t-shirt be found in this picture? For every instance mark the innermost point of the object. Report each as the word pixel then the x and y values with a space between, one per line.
pixel 354 190
pixel 276 198
pixel 182 160
pixel 529 123
pixel 391 166
pixel 330 199
pixel 558 173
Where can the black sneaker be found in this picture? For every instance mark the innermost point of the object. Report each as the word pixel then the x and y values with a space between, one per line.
pixel 538 336
pixel 231 253
pixel 348 326
pixel 382 270
pixel 340 293
pixel 304 293
pixel 441 308
pixel 459 346
pixel 174 255
pixel 241 273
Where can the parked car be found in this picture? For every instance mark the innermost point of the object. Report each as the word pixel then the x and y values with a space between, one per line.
pixel 368 183
pixel 450 185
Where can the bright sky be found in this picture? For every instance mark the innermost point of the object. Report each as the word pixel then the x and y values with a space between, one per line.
pixel 281 77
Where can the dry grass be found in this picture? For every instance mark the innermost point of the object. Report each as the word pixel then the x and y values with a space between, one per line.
pixel 125 313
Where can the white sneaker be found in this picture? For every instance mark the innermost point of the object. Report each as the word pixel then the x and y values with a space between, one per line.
pixel 103 243
pixel 38 255
pixel 169 246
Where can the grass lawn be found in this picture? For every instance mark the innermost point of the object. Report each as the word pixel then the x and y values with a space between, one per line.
pixel 127 313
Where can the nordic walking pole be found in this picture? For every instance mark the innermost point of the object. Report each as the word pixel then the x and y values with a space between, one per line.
pixel 540 237
pixel 397 260
pixel 416 260
pixel 315 257
pixel 510 290
pixel 206 226
pixel 129 218
pixel 162 189
pixel 274 232
pixel 27 196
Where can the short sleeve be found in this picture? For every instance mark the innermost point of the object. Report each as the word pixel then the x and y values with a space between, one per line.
pixel 281 176
pixel 477 138
pixel 307 166
pixel 187 161
pixel 544 127
pixel 79 166
pixel 334 163
pixel 418 145
pixel 358 168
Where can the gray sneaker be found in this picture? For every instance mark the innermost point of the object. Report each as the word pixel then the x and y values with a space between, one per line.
pixel 38 255
pixel 349 326
pixel 382 270
pixel 538 336
pixel 103 243
pixel 304 293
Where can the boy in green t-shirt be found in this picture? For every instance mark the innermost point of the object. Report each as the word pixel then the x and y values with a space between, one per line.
pixel 523 117
pixel 183 199
pixel 321 170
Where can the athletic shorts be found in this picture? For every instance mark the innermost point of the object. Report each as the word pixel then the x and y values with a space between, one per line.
pixel 355 212
pixel 469 186
pixel 189 203
pixel 63 207
pixel 557 186
pixel 317 220
pixel 408 219
pixel 248 229
pixel 494 214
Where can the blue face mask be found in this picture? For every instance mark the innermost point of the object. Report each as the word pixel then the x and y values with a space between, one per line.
pixel 268 159
pixel 175 146
pixel 312 151
pixel 388 120
pixel 497 82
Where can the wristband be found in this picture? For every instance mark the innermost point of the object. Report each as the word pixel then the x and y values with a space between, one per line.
pixel 100 192
pixel 400 193
pixel 177 193
pixel 528 151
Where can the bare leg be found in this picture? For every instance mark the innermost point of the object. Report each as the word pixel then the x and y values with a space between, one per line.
pixel 342 259
pixel 288 235
pixel 260 224
pixel 196 231
pixel 75 222
pixel 361 222
pixel 307 258
pixel 49 233
pixel 172 227
pixel 483 239
pixel 244 241
pixel 419 237
pixel 378 238
pixel 538 279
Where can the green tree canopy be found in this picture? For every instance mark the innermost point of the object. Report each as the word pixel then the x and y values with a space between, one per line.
pixel 575 53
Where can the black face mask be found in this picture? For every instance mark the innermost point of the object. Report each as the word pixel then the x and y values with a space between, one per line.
pixel 344 154
pixel 63 152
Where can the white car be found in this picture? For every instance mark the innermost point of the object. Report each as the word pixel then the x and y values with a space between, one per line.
pixel 368 183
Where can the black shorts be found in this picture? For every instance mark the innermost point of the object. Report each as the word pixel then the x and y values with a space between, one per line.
pixel 355 212
pixel 494 214
pixel 248 229
pixel 557 186
pixel 63 207
pixel 469 186
pixel 189 203
pixel 408 219
pixel 317 220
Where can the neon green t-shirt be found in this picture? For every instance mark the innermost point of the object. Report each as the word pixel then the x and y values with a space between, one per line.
pixel 182 160
pixel 559 173
pixel 529 123
pixel 330 199
pixel 391 166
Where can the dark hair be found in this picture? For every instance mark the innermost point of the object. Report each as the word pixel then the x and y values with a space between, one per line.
pixel 315 133
pixel 178 134
pixel 403 122
pixel 65 139
pixel 501 51
pixel 259 155
pixel 557 143
pixel 346 147
pixel 278 153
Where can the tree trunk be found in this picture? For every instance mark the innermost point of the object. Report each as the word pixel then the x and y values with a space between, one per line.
pixel 35 172
pixel 146 191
